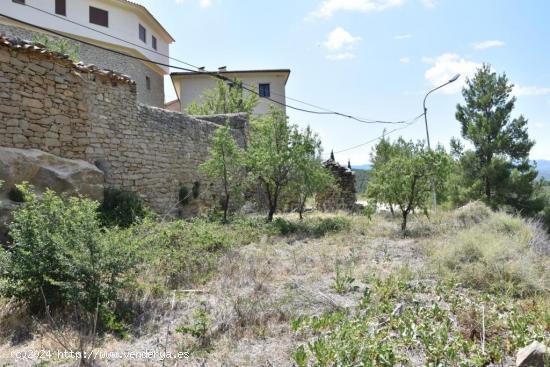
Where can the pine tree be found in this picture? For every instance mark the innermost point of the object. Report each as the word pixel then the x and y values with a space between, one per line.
pixel 498 169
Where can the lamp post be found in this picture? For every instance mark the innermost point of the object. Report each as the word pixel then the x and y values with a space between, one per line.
pixel 453 79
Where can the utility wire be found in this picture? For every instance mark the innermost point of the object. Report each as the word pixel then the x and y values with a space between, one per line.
pixel 407 124
pixel 199 70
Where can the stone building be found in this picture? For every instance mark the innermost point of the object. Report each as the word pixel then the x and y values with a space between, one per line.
pixel 81 112
pixel 342 197
pixel 118 25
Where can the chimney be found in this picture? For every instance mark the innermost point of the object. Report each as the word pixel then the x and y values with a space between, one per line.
pixel 222 68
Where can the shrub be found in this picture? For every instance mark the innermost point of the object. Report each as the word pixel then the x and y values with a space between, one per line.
pixel 196 189
pixel 61 258
pixel 121 208
pixel 15 194
pixel 311 227
pixel 183 195
pixel 497 255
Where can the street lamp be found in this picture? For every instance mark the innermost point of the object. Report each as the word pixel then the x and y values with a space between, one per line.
pixel 453 79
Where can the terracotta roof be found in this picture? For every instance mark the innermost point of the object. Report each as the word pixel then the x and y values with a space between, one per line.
pixel 37 48
pixel 149 14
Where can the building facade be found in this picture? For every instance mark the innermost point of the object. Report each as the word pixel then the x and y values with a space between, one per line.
pixel 269 84
pixel 118 25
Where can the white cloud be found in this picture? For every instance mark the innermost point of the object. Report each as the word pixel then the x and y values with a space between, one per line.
pixel 445 67
pixel 488 44
pixel 402 36
pixel 340 38
pixel 404 60
pixel 329 7
pixel 340 56
pixel 429 3
pixel 530 91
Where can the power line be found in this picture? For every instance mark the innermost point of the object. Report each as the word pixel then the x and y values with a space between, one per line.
pixel 214 75
pixel 407 124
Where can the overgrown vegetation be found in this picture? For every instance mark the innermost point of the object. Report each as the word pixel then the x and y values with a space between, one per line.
pixel 402 319
pixel 60 45
pixel 121 208
pixel 60 258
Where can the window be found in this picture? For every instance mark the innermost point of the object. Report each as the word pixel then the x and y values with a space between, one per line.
pixel 148 83
pixel 154 42
pixel 61 7
pixel 99 16
pixel 18 1
pixel 265 90
pixel 142 33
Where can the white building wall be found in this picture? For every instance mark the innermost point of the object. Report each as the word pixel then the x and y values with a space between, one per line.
pixel 124 23
pixel 190 88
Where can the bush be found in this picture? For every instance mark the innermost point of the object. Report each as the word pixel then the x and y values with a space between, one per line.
pixel 497 255
pixel 15 194
pixel 61 258
pixel 311 227
pixel 121 208
pixel 183 195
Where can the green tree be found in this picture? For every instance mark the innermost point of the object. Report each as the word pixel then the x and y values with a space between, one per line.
pixel 498 168
pixel 270 157
pixel 224 98
pixel 380 156
pixel 405 178
pixel 226 165
pixel 308 175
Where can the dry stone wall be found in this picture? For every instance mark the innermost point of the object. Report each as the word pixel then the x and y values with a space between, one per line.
pixel 78 112
pixel 137 70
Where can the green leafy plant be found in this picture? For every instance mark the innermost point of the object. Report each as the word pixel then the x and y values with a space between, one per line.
pixel 199 329
pixel 342 282
pixel 121 208
pixel 60 256
pixel 225 165
pixel 59 45
pixel 19 193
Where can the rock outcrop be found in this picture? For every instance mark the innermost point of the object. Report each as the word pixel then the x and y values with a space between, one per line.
pixel 44 171
pixel 532 355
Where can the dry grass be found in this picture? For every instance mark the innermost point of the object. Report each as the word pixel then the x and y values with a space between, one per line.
pixel 248 302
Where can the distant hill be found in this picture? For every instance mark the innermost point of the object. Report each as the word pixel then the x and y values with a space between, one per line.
pixel 361 179
pixel 543 166
pixel 364 167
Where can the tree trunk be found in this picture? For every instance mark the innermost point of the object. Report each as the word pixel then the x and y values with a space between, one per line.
pixel 301 208
pixel 404 222
pixel 391 211
pixel 225 208
pixel 271 213
pixel 487 188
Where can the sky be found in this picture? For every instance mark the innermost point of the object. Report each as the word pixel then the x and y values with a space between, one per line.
pixel 373 59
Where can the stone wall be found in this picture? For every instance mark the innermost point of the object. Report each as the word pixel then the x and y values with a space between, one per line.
pixel 343 196
pixel 78 112
pixel 135 69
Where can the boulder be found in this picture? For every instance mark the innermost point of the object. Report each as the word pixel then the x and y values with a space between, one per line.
pixel 532 355
pixel 45 171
